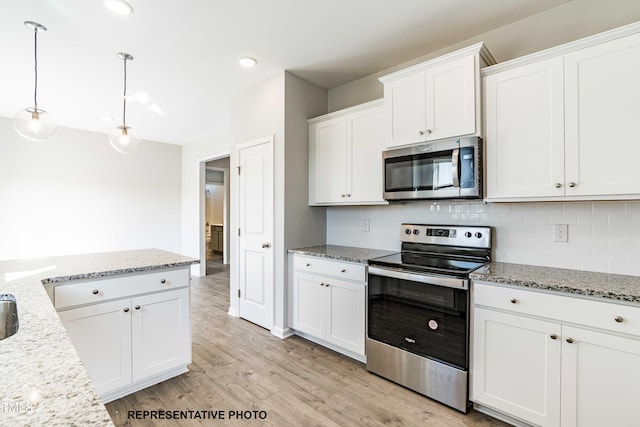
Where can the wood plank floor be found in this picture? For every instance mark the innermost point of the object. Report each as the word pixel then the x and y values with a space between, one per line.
pixel 238 366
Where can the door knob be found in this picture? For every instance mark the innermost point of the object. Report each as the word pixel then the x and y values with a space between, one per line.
pixel 570 340
pixel 558 185
pixel 554 337
pixel 266 245
pixel 572 184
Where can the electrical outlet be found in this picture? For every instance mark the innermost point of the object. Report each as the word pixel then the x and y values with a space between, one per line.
pixel 365 225
pixel 560 232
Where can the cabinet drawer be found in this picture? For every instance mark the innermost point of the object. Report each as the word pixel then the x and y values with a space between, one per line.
pixel 341 269
pixel 95 291
pixel 597 314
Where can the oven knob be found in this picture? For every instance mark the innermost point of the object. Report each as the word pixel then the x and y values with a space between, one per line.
pixel 415 231
pixel 467 234
pixel 478 235
pixel 407 231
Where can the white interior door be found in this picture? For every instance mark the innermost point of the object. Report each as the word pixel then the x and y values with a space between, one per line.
pixel 256 232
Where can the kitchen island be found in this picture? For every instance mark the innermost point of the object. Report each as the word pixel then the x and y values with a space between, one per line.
pixel 43 380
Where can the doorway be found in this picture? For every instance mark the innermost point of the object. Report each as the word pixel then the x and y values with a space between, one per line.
pixel 214 214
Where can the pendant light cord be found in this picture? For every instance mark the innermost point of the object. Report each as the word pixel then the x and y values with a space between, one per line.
pixel 35 60
pixel 124 96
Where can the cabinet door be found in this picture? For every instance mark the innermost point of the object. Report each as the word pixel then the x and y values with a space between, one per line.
pixel 161 334
pixel 524 114
pixel 600 379
pixel 329 145
pixel 366 142
pixel 516 366
pixel 404 101
pixel 101 334
pixel 602 111
pixel 451 99
pixel 345 315
pixel 309 304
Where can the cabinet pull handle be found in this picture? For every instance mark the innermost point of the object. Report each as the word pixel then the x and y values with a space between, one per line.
pixel 348 195
pixel 572 184
pixel 344 270
pixel 163 281
pixel 428 131
pixel 96 292
pixel 420 132
pixel 137 307
pixel 321 284
pixel 126 309
pixel 570 340
pixel 308 265
pixel 553 337
pixel 326 284
pixel 342 195
pixel 514 301
pixel 558 185
pixel 619 319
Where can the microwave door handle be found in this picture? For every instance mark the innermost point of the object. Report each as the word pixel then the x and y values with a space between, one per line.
pixel 455 173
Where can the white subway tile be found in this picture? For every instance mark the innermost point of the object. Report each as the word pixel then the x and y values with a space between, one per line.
pixel 550 208
pixel 563 218
pixel 609 208
pixel 536 218
pixel 579 208
pixel 508 218
pixel 591 219
pixel 525 208
pixel 501 207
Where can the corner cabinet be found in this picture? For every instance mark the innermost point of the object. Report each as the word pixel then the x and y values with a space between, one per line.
pixel 328 303
pixel 436 99
pixel 550 360
pixel 131 331
pixel 561 124
pixel 345 156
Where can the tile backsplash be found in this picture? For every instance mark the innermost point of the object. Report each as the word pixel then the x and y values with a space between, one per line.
pixel 602 236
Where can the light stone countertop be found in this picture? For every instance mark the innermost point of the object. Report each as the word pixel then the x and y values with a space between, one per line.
pixel 343 253
pixel 42 380
pixel 612 287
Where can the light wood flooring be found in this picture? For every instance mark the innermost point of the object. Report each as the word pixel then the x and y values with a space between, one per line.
pixel 238 366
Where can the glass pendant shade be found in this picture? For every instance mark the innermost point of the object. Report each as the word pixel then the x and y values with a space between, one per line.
pixel 34 124
pixel 124 139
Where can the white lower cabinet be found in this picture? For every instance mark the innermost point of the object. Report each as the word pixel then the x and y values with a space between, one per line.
pixel 328 308
pixel 535 360
pixel 127 344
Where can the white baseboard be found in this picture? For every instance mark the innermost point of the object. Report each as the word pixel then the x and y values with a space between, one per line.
pixel 500 416
pixel 139 385
pixel 233 312
pixel 282 333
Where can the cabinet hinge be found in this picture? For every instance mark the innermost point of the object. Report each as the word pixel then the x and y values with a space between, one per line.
pixel 238 232
pixel 238 293
pixel 238 169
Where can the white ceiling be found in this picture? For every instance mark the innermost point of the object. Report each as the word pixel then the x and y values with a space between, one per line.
pixel 185 52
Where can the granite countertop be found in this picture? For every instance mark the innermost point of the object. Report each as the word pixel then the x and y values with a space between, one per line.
pixel 43 381
pixel 614 287
pixel 343 253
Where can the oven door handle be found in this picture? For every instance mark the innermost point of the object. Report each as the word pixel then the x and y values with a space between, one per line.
pixel 449 282
pixel 455 173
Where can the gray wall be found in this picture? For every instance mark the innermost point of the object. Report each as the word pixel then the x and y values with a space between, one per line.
pixel 567 22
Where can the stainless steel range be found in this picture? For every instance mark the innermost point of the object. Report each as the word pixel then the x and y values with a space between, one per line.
pixel 418 310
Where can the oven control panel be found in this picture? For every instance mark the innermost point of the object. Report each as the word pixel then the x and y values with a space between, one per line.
pixel 451 235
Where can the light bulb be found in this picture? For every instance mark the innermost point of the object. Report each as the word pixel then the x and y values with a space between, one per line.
pixel 33 124
pixel 124 139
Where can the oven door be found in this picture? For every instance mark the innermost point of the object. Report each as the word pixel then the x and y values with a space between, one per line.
pixel 421 314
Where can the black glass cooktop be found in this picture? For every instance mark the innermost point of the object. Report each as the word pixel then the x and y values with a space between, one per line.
pixel 427 263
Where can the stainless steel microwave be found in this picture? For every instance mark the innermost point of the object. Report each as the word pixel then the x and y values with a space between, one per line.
pixel 448 169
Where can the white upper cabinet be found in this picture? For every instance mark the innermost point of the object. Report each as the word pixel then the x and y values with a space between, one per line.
pixel 436 99
pixel 525 131
pixel 345 156
pixel 560 124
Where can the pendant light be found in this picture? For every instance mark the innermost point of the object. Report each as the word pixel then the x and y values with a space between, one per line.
pixel 123 138
pixel 34 123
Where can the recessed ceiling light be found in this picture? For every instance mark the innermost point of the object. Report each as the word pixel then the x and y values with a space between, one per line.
pixel 247 61
pixel 119 7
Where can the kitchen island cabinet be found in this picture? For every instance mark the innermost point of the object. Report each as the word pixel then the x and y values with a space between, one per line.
pixel 561 123
pixel 45 380
pixel 130 330
pixel 549 359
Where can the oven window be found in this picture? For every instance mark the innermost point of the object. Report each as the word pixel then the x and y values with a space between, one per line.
pixel 427 320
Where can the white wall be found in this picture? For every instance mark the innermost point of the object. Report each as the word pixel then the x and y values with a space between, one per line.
pixel 603 236
pixel 567 22
pixel 75 194
pixel 192 179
